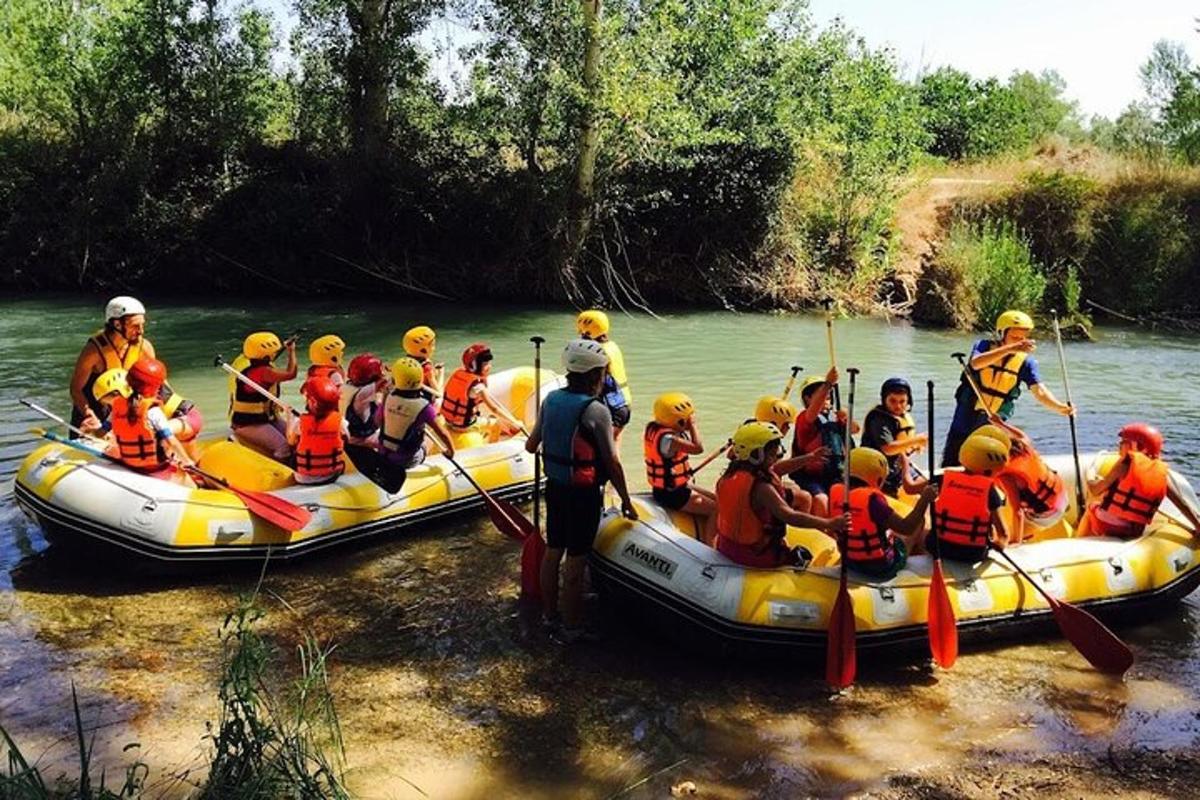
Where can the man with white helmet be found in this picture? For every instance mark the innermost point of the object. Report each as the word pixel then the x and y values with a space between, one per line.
pixel 575 433
pixel 118 345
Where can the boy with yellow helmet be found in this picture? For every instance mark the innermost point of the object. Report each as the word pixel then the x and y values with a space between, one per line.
pixel 593 325
pixel 967 509
pixel 879 540
pixel 419 344
pixel 999 367
pixel 326 354
pixel 254 419
pixel 668 440
pixel 752 512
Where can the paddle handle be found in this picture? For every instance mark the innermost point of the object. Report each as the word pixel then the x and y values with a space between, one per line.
pixel 791 382
pixel 1062 361
pixel 846 448
pixel 45 412
pixel 828 303
pixel 537 457
pixel 255 386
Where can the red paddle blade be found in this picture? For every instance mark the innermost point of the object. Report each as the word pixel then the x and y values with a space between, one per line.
pixel 1092 639
pixel 501 518
pixel 839 650
pixel 531 567
pixel 275 510
pixel 521 522
pixel 943 628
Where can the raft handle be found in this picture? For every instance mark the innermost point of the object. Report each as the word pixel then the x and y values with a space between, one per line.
pixel 150 506
pixel 709 572
pixel 887 593
pixel 1181 563
pixel 50 461
pixel 1116 565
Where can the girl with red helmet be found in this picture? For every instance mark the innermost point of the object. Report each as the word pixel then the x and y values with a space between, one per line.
pixel 1130 494
pixel 141 433
pixel 317 434
pixel 466 397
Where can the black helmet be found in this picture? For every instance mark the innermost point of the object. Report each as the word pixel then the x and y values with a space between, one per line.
pixel 893 386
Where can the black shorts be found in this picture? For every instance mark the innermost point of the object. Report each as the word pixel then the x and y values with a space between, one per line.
pixel 673 499
pixel 572 516
pixel 955 552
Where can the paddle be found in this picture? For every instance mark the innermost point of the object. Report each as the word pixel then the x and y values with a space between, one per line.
pixel 505 516
pixel 269 508
pixel 791 382
pixel 961 358
pixel 533 551
pixel 711 457
pixel 1091 638
pixel 45 412
pixel 837 395
pixel 840 656
pixel 1062 360
pixel 220 362
pixel 943 627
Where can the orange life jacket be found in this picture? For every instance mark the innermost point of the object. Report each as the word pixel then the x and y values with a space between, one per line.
pixel 663 472
pixel 865 541
pixel 1136 497
pixel 458 406
pixel 319 451
pixel 964 514
pixel 334 373
pixel 737 520
pixel 1040 488
pixel 137 445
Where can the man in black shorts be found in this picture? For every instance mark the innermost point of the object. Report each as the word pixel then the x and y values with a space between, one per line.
pixel 575 432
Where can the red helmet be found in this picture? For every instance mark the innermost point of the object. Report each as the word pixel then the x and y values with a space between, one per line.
pixel 474 356
pixel 1146 437
pixel 322 393
pixel 364 368
pixel 147 375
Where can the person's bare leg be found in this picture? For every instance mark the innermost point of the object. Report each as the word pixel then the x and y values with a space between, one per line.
pixel 549 580
pixel 572 591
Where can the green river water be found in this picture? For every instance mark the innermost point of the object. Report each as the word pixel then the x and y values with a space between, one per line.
pixel 447 690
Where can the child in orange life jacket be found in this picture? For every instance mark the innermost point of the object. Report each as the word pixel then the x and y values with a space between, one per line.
pixel 782 414
pixel 666 444
pixel 879 540
pixel 1038 492
pixel 889 428
pixel 966 519
pixel 419 344
pixel 819 435
pixel 141 431
pixel 467 395
pixel 317 434
pixel 1133 489
pixel 326 354
pixel 752 514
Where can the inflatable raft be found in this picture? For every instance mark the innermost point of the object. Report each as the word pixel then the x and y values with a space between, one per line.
pixel 79 499
pixel 657 567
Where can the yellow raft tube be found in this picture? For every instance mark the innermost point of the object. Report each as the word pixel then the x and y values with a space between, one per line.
pixel 79 499
pixel 657 567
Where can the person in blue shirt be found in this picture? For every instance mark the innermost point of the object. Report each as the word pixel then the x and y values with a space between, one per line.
pixel 1000 366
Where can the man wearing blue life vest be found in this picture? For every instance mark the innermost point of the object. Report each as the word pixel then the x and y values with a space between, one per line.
pixel 999 367
pixel 575 432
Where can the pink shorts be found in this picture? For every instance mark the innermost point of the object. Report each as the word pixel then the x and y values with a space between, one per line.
pixel 1098 526
pixel 192 423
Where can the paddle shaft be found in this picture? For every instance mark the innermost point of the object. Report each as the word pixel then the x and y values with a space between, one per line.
pixel 537 458
pixel 1051 599
pixel 791 382
pixel 828 303
pixel 711 457
pixel 1062 360
pixel 51 415
pixel 929 421
pixel 966 371
pixel 256 387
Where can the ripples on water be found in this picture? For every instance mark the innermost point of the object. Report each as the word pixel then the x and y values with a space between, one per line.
pixel 442 685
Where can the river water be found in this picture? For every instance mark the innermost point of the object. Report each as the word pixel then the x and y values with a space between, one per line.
pixel 446 690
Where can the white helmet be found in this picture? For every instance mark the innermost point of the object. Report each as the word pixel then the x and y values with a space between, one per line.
pixel 123 306
pixel 584 355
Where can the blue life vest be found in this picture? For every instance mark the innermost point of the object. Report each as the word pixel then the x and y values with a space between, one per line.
pixel 569 456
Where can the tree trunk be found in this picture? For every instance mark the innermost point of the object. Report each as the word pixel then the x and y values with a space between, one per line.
pixel 368 77
pixel 581 202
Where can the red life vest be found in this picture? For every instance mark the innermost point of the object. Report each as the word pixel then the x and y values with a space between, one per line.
pixel 661 471
pixel 964 514
pixel 1136 497
pixel 737 520
pixel 865 541
pixel 319 451
pixel 137 444
pixel 458 406
pixel 1040 488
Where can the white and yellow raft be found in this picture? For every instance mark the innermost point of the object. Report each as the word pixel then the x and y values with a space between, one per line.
pixel 76 498
pixel 657 567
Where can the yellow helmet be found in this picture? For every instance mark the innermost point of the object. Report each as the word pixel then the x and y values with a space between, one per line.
pixel 995 432
pixel 109 381
pixel 982 454
pixel 868 464
pixel 407 374
pixel 751 438
pixel 672 409
pixel 327 351
pixel 419 341
pixel 592 323
pixel 1013 319
pixel 810 385
pixel 774 410
pixel 263 344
